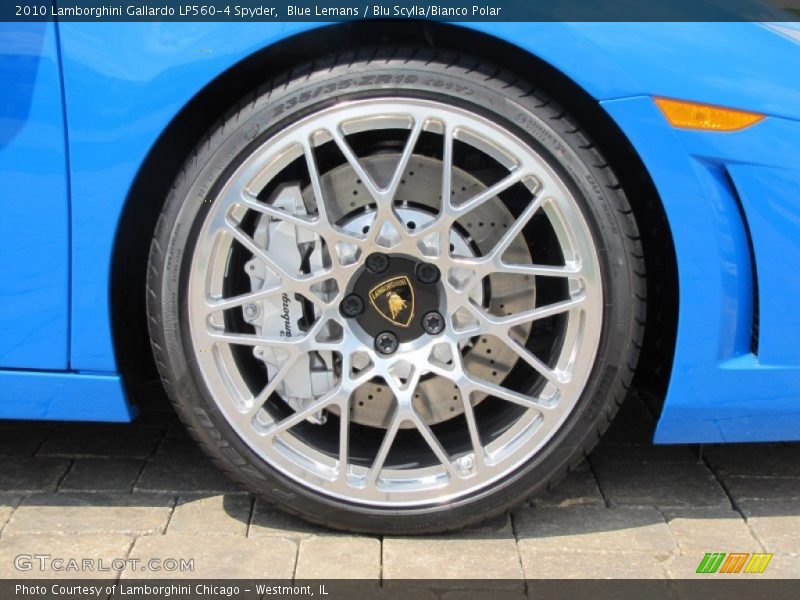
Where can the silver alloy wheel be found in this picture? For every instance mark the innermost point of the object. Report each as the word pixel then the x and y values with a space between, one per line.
pixel 335 253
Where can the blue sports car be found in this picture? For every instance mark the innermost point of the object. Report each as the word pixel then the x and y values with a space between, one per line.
pixel 399 276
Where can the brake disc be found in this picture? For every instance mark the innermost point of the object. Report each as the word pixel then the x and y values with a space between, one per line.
pixel 418 200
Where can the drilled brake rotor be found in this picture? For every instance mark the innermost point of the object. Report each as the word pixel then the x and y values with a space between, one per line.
pixel 436 398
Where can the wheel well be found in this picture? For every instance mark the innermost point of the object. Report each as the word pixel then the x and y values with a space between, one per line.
pixel 176 142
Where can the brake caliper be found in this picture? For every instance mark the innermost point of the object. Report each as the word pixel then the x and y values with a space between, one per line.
pixel 287 314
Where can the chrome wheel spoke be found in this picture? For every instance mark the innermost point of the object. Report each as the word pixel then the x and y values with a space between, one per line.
pixel 487 194
pixel 534 362
pixel 270 387
pixel 571 270
pixel 244 339
pixel 218 304
pixel 303 414
pixel 344 440
pixel 382 196
pixel 508 395
pixel 253 203
pixel 383 452
pixel 503 324
pixel 327 228
pixel 250 244
pixel 474 434
pixel 438 450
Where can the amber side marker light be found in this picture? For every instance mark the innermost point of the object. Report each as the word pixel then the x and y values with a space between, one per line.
pixel 692 115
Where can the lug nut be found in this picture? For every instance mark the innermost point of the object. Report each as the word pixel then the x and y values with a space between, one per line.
pixel 433 322
pixel 377 262
pixel 465 463
pixel 386 342
pixel 427 273
pixel 352 306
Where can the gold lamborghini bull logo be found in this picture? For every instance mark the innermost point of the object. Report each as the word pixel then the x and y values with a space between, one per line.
pixel 396 304
pixel 394 300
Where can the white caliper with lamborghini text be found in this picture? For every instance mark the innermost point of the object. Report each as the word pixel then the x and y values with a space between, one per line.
pixel 285 315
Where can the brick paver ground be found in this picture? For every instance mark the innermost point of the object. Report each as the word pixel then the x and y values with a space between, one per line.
pixel 632 510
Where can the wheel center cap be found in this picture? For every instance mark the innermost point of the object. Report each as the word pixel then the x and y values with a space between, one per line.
pixel 398 292
pixel 394 300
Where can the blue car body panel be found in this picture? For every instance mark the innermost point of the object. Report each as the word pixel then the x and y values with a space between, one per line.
pixel 125 82
pixel 63 396
pixel 720 390
pixel 34 226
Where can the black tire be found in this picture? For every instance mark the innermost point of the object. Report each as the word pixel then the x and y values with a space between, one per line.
pixel 455 79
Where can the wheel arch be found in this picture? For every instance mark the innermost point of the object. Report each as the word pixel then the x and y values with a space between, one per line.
pixel 164 160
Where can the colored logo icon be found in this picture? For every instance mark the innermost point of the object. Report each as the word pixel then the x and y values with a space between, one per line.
pixel 734 562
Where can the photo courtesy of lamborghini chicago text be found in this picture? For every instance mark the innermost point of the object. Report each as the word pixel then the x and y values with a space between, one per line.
pixel 387 298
